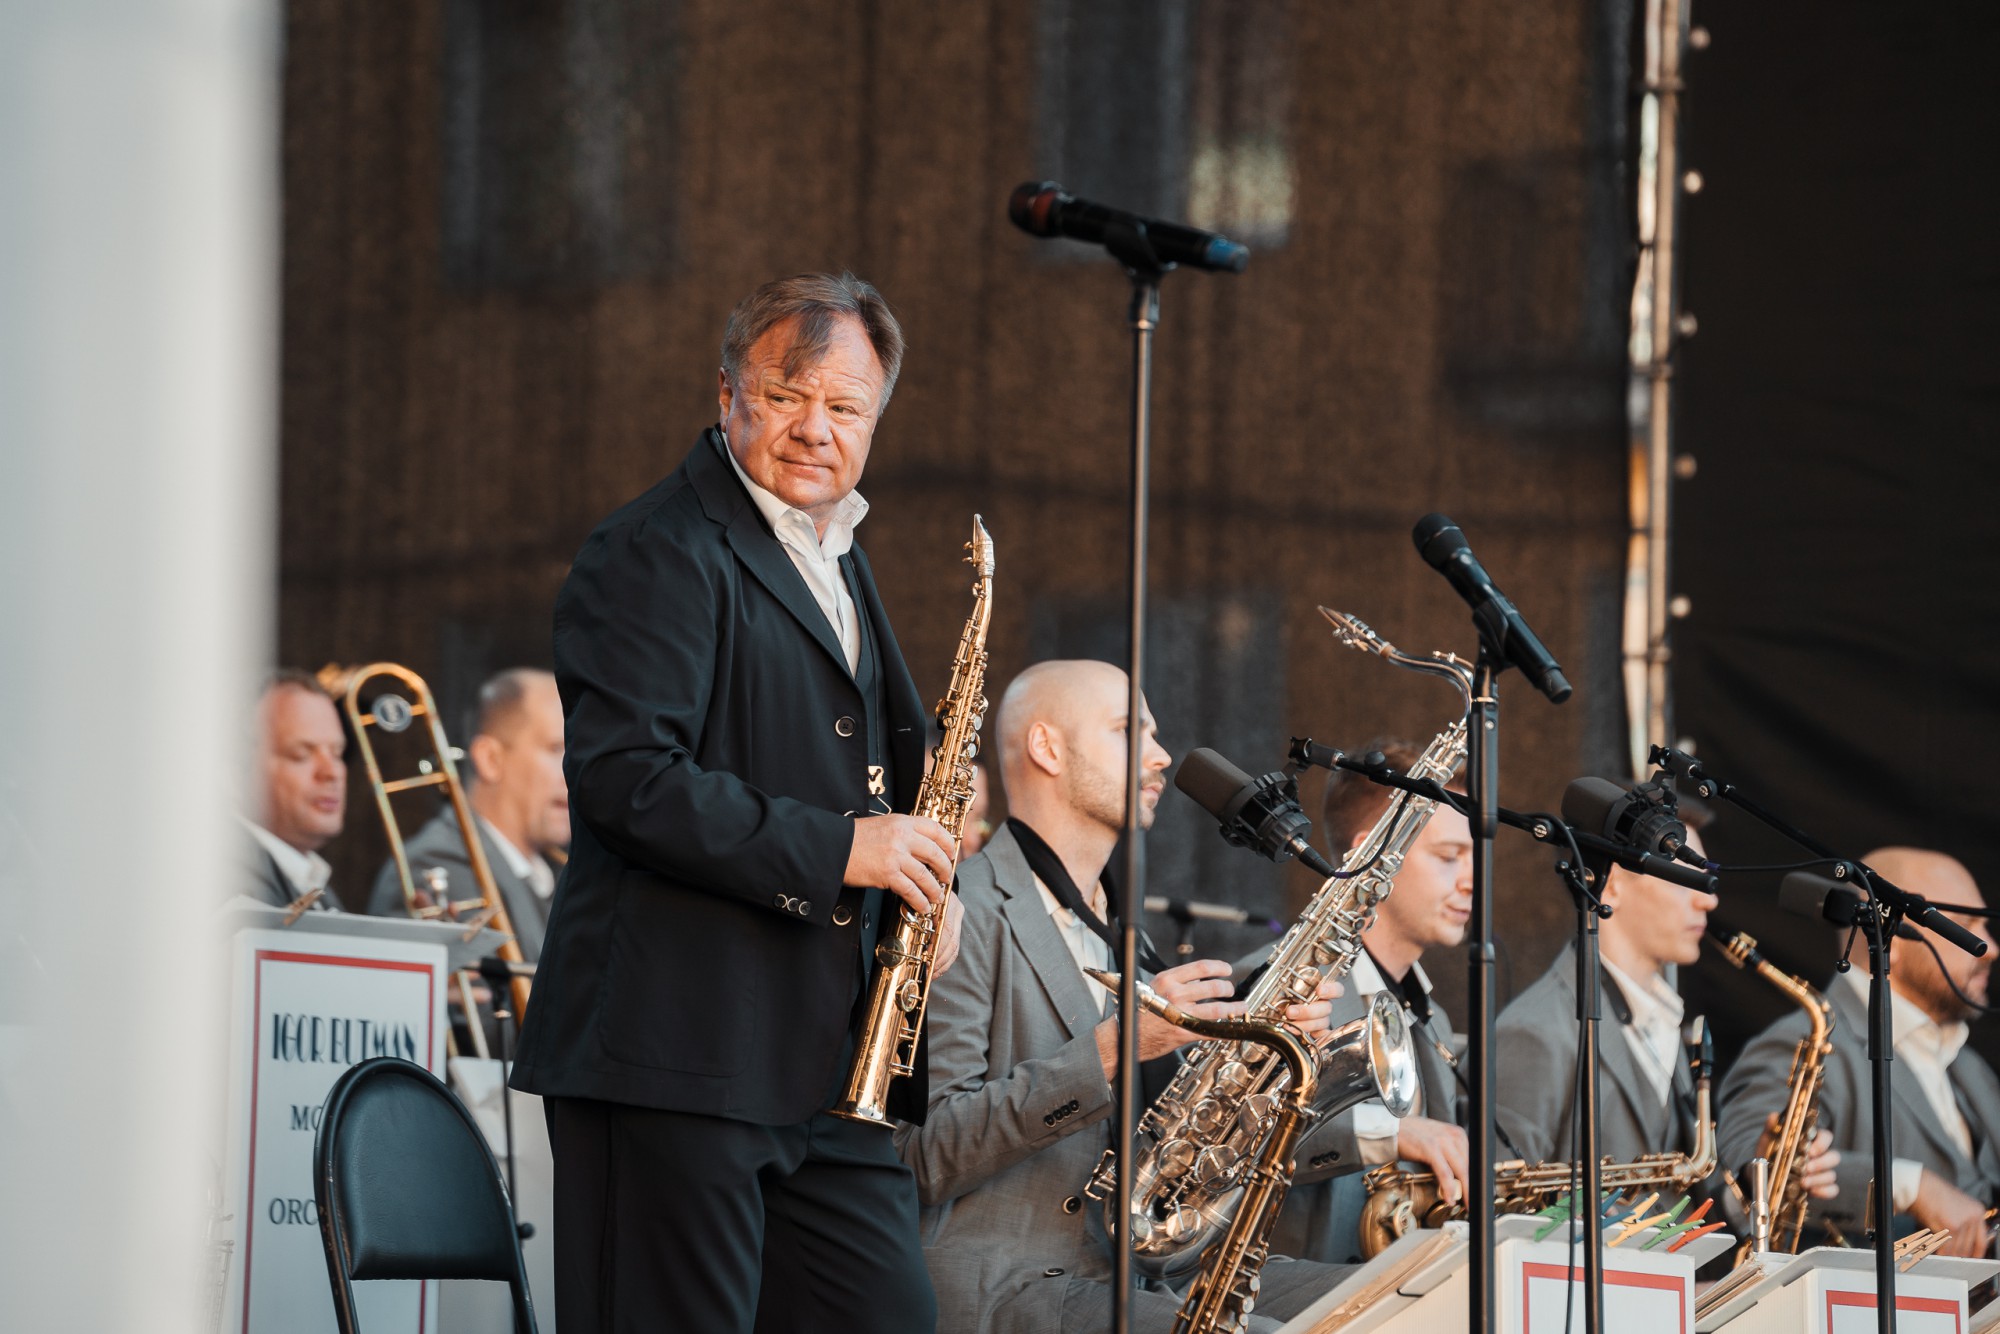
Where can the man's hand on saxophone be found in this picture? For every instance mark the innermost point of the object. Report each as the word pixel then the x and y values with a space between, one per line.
pixel 1943 1207
pixel 908 855
pixel 1202 988
pixel 1439 1146
pixel 1817 1172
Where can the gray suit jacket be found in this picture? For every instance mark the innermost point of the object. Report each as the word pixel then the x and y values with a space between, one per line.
pixel 1019 1115
pixel 1534 1066
pixel 263 880
pixel 1322 1214
pixel 1757 1086
pixel 438 844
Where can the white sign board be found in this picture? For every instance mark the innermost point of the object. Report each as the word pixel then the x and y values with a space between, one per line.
pixel 306 1008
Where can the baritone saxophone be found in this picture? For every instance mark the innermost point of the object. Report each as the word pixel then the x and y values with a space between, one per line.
pixel 1192 1160
pixel 886 1047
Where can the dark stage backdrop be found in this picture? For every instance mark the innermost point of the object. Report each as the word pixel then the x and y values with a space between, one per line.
pixel 1841 660
pixel 513 229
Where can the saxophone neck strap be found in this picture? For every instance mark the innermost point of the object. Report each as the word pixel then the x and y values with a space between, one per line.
pixel 1049 869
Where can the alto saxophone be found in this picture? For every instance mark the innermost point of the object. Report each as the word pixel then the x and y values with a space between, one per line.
pixel 1400 1199
pixel 886 1047
pixel 1220 1299
pixel 1194 1145
pixel 1800 1121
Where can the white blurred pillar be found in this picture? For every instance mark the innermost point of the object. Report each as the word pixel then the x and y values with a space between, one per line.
pixel 138 170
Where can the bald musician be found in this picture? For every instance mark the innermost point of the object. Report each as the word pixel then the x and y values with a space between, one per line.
pixel 1945 1097
pixel 1024 1045
pixel 298 791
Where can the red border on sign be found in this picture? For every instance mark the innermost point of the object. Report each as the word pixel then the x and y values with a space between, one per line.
pixel 256 1047
pixel 1934 1305
pixel 1624 1278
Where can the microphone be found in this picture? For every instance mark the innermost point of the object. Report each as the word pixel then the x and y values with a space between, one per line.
pixel 1642 818
pixel 1261 814
pixel 1193 910
pixel 1819 897
pixel 1445 550
pixel 1043 208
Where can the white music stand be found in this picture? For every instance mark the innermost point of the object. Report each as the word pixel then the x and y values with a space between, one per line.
pixel 1831 1290
pixel 1419 1284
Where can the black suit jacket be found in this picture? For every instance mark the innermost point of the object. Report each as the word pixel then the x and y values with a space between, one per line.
pixel 702 954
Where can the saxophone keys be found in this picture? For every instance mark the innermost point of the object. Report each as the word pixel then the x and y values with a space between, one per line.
pixel 1209 1116
pixel 1215 1166
pixel 1233 1077
pixel 1176 1157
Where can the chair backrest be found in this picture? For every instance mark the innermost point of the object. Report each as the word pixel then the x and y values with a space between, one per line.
pixel 407 1188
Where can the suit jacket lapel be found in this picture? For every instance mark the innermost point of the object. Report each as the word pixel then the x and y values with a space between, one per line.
pixel 1614 1054
pixel 1041 942
pixel 725 501
pixel 1904 1091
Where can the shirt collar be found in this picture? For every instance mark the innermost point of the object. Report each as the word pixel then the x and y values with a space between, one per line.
pixel 1652 1000
pixel 517 861
pixel 307 871
pixel 793 526
pixel 1912 1025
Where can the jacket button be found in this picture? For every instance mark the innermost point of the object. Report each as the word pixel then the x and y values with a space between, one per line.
pixel 777 900
pixel 1049 1120
pixel 1052 1273
pixel 1073 1204
pixel 841 916
pixel 844 726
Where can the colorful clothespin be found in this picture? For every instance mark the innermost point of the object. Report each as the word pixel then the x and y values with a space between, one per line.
pixel 1673 1229
pixel 1635 1225
pixel 1557 1214
pixel 1687 1237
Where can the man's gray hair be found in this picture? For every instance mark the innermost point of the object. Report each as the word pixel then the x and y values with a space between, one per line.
pixel 815 300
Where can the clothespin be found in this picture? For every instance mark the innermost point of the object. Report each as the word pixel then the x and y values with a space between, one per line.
pixel 1635 1225
pixel 1557 1214
pixel 1622 1215
pixel 1687 1237
pixel 1668 1233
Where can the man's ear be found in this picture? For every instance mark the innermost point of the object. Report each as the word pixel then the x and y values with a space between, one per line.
pixel 1045 748
pixel 725 396
pixel 484 753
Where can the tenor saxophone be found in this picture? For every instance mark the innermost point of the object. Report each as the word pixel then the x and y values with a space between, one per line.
pixel 1221 1297
pixel 886 1047
pixel 1400 1199
pixel 1800 1121
pixel 1191 1155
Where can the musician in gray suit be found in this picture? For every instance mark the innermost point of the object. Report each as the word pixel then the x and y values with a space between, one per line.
pixel 1023 1047
pixel 1944 1096
pixel 1427 909
pixel 298 792
pixel 1646 1096
pixel 516 790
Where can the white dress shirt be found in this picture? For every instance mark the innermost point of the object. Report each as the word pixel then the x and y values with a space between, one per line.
pixel 817 558
pixel 1374 1125
pixel 1654 1032
pixel 1085 946
pixel 541 877
pixel 304 871
pixel 1926 1049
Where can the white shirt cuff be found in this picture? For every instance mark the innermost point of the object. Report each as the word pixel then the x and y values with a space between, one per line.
pixel 1375 1134
pixel 1906 1174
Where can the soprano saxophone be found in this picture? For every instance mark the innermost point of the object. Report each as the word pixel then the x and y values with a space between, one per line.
pixel 1194 1146
pixel 1220 1299
pixel 1400 1199
pixel 886 1047
pixel 1800 1121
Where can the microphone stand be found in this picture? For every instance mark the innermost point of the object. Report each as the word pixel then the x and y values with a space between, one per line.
pixel 1877 919
pixel 1483 784
pixel 1128 243
pixel 1589 1010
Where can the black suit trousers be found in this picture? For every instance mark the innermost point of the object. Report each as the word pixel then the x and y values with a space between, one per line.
pixel 669 1221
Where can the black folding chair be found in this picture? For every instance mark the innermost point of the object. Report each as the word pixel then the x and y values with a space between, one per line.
pixel 407 1188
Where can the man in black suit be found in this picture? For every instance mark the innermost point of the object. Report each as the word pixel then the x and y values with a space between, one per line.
pixel 740 726
pixel 513 767
pixel 298 797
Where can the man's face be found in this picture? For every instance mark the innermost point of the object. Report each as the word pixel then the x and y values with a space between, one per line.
pixel 805 438
pixel 304 777
pixel 523 766
pixel 1093 774
pixel 1432 899
pixel 1662 921
pixel 1916 971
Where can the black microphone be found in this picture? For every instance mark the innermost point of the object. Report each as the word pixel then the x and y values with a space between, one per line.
pixel 1819 897
pixel 1194 910
pixel 1643 818
pixel 1445 550
pixel 1043 208
pixel 1261 814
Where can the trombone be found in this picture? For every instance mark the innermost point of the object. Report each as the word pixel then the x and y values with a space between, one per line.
pixel 393 713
